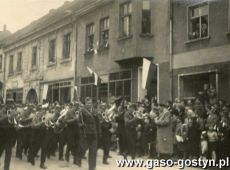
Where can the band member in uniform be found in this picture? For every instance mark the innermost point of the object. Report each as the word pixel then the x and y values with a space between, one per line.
pixel 7 135
pixel 24 120
pixel 90 131
pixel 39 138
pixel 106 135
pixel 73 131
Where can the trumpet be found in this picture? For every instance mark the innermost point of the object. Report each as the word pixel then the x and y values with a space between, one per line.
pixel 138 114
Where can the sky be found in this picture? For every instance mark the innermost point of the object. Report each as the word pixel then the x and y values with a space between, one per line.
pixel 17 14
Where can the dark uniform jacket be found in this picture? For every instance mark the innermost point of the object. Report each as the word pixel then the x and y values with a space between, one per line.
pixel 90 122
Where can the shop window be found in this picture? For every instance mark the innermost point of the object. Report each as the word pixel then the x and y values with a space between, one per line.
pixel 193 84
pixel 88 89
pixel 15 94
pixel 125 19
pixel 120 84
pixel 60 92
pixel 198 21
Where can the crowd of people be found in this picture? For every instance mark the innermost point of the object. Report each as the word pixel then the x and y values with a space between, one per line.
pixel 182 129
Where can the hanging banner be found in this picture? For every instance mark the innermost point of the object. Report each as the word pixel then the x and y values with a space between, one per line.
pixel 45 92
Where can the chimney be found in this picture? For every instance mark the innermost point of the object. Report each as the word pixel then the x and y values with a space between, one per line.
pixel 4 27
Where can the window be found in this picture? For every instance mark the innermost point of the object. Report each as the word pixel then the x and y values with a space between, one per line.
pixel 193 84
pixel 59 91
pixel 120 84
pixel 11 65
pixel 125 19
pixel 228 17
pixel 88 89
pixel 89 38
pixel 146 17
pixel 104 32
pixel 66 46
pixel 52 49
pixel 1 61
pixel 15 94
pixel 34 57
pixel 19 62
pixel 198 21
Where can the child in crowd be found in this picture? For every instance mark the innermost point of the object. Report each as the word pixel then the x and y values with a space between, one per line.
pixel 212 142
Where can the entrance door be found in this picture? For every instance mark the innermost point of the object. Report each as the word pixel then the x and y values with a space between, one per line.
pixel 31 96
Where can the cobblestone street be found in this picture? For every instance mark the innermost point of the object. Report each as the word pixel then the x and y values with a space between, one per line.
pixel 54 164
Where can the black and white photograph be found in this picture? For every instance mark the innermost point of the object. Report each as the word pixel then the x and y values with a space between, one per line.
pixel 114 84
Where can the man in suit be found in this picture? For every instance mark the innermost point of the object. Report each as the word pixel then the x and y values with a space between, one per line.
pixel 130 130
pixel 165 137
pixel 90 131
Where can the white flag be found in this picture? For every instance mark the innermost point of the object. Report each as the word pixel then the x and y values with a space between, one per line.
pixel 90 70
pixel 75 88
pixel 145 72
pixel 45 91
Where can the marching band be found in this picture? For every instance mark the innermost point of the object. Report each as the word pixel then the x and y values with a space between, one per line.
pixel 44 127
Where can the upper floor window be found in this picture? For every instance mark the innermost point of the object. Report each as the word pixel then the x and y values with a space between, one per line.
pixel 198 21
pixel 90 38
pixel 125 19
pixel 52 49
pixel 104 32
pixel 11 65
pixel 34 57
pixel 1 61
pixel 66 46
pixel 19 62
pixel 146 17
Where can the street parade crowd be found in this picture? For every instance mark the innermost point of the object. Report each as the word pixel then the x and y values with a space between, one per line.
pixel 182 129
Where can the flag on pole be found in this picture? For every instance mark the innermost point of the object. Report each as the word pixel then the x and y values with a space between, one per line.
pixel 148 70
pixel 95 76
pixel 45 91
pixel 90 70
pixel 75 88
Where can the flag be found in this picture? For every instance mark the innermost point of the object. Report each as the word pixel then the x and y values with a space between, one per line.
pixel 148 70
pixel 97 79
pixel 45 91
pixel 75 88
pixel 90 70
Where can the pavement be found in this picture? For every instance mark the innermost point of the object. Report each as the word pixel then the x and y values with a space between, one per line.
pixel 54 164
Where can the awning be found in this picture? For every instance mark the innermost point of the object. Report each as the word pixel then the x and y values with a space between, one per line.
pixel 131 60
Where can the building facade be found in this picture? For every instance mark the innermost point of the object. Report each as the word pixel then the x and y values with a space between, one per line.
pixel 113 39
pixel 201 47
pixel 40 60
pixel 48 59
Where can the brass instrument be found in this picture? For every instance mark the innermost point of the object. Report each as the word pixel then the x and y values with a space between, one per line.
pixel 12 118
pixel 61 124
pixel 138 115
pixel 109 114
pixel 47 119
